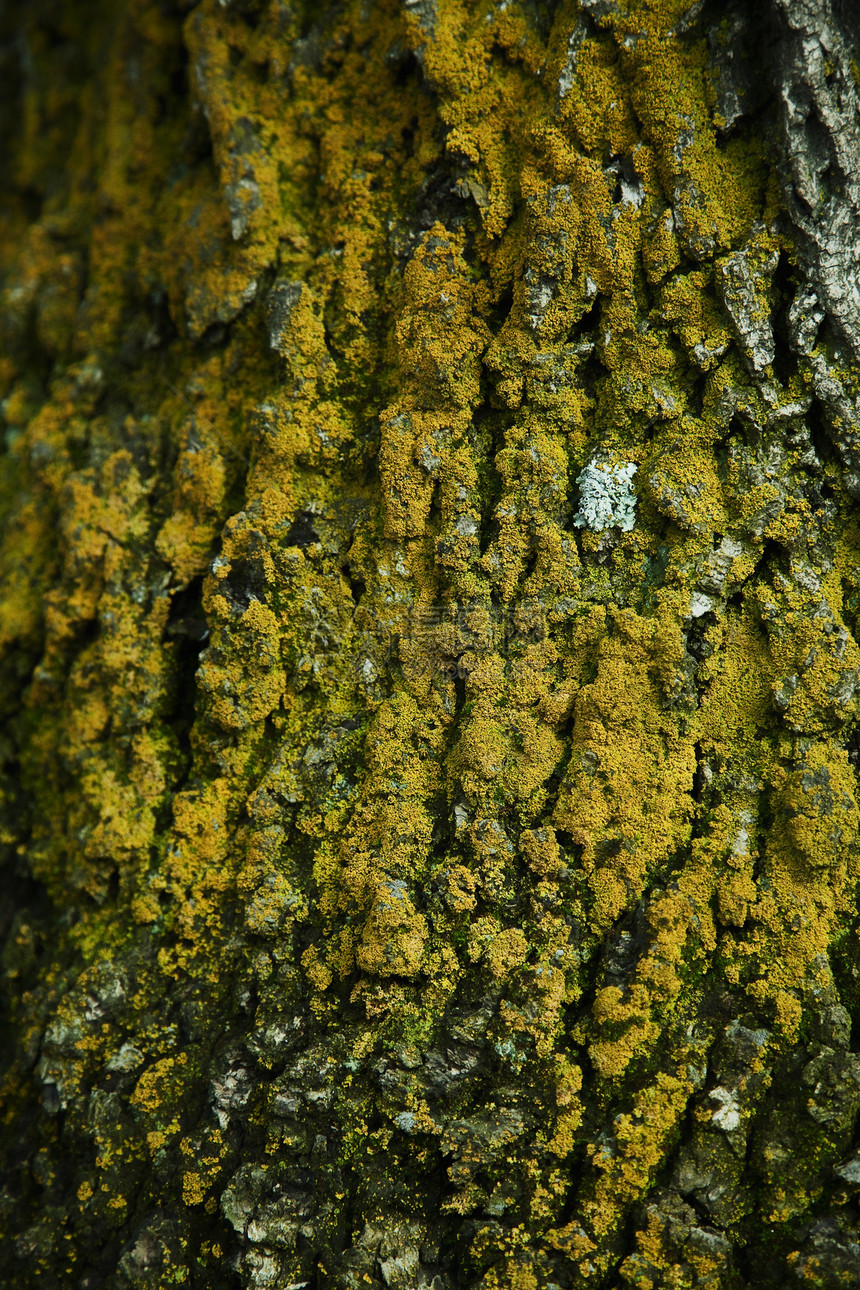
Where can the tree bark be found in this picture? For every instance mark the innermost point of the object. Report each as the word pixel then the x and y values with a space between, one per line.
pixel 429 590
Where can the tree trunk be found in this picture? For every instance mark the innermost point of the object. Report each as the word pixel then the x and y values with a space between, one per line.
pixel 428 594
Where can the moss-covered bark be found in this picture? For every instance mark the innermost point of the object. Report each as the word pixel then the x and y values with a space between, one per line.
pixel 428 593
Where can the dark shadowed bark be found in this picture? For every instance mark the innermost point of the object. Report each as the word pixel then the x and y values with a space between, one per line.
pixel 429 587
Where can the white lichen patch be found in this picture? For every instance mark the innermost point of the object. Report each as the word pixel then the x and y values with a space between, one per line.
pixel 728 1113
pixel 606 498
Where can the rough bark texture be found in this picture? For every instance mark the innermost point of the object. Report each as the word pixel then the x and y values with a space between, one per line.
pixel 429 590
